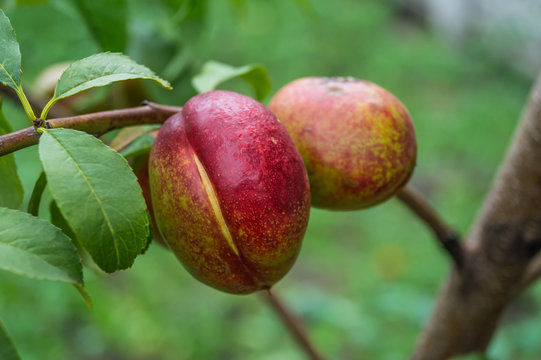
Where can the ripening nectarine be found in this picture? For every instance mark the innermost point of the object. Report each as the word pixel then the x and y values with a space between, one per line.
pixel 230 192
pixel 356 139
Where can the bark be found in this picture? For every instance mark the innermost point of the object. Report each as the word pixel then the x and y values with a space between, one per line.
pixel 501 254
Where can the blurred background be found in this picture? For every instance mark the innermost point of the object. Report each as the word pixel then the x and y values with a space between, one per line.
pixel 365 281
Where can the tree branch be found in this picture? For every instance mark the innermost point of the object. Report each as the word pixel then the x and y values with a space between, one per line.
pixel 96 123
pixel 446 236
pixel 504 241
pixel 293 325
pixel 532 273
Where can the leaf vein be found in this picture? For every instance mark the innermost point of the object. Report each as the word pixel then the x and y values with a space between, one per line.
pixel 93 192
pixel 33 255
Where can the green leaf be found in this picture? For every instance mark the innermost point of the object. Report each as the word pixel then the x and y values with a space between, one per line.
pixel 35 248
pixel 140 145
pixel 7 349
pixel 60 222
pixel 11 189
pixel 10 63
pixel 135 141
pixel 127 135
pixel 10 54
pixel 35 199
pixel 106 21
pixel 98 195
pixel 5 127
pixel 215 73
pixel 99 70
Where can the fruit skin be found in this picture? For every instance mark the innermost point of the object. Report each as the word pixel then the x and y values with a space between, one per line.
pixel 357 139
pixel 140 169
pixel 230 192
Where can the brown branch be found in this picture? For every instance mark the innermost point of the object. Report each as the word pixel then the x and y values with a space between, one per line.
pixel 446 236
pixel 532 273
pixel 292 325
pixel 96 123
pixel 504 241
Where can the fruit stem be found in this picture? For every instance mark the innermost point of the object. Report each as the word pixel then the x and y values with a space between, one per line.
pixel 447 237
pixel 292 324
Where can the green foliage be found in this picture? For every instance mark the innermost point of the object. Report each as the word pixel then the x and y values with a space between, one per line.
pixel 215 73
pixel 99 70
pixel 106 21
pixel 11 189
pixel 58 220
pixel 10 62
pixel 34 248
pixel 365 282
pixel 141 145
pixel 10 57
pixel 31 2
pixel 35 198
pixel 98 195
pixel 187 9
pixel 7 349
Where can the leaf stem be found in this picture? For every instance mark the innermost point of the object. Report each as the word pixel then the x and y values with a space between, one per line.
pixel 26 105
pixel 36 102
pixel 292 324
pixel 47 107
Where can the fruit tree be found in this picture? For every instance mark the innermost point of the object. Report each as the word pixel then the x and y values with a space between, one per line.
pixel 226 185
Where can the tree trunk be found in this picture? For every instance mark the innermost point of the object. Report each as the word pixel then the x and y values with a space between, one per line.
pixel 501 254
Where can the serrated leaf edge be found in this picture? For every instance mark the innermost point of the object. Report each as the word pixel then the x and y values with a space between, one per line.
pixel 74 90
pixel 154 76
pixel 36 277
pixel 41 259
pixel 95 195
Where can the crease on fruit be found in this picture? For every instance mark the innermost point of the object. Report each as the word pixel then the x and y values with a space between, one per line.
pixel 213 199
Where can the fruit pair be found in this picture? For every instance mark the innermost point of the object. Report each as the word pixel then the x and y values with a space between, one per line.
pixel 230 191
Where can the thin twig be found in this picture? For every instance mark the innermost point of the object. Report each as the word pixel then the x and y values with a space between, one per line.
pixel 95 123
pixel 292 325
pixel 447 237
